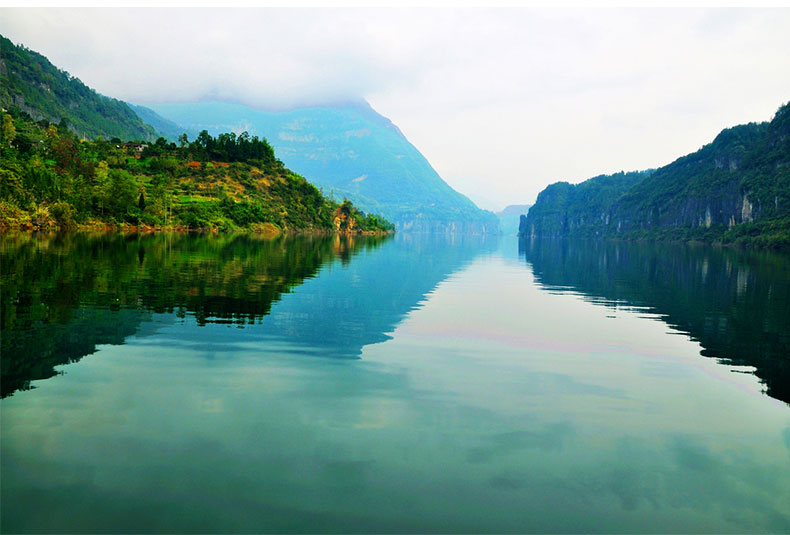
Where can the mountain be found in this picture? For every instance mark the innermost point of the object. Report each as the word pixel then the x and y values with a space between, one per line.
pixel 351 151
pixel 734 190
pixel 50 178
pixel 509 218
pixel 28 81
pixel 166 128
pixel 581 210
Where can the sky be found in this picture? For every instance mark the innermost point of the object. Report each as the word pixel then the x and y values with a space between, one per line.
pixel 502 102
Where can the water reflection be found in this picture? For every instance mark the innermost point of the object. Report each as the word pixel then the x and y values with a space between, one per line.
pixel 65 294
pixel 493 407
pixel 735 303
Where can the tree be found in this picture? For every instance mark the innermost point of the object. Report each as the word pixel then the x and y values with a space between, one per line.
pixel 102 183
pixel 9 130
pixel 183 140
pixel 204 139
pixel 121 194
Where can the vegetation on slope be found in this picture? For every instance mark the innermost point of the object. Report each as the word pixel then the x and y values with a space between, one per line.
pixel 733 190
pixel 30 82
pixel 50 178
pixel 350 151
pixel 581 209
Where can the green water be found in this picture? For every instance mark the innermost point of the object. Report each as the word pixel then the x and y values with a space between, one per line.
pixel 413 384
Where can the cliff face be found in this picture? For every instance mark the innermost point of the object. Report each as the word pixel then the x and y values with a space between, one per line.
pixel 584 209
pixel 741 178
pixel 423 224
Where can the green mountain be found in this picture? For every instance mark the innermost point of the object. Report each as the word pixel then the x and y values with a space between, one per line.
pixel 350 151
pixel 51 178
pixel 735 189
pixel 583 209
pixel 29 82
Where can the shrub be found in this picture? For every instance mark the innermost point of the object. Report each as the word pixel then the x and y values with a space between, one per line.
pixel 63 214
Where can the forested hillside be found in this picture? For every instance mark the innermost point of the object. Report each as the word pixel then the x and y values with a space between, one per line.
pixel 28 81
pixel 51 178
pixel 735 189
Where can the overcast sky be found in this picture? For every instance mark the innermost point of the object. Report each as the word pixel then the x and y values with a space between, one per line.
pixel 501 102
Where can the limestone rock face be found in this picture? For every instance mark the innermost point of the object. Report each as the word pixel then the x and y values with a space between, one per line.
pixel 342 219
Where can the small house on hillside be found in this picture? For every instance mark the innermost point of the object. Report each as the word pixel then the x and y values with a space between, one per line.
pixel 135 147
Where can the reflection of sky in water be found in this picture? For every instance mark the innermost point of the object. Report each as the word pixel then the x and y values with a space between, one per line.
pixel 494 406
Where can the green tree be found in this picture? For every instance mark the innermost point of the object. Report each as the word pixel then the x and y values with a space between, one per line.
pixel 121 194
pixel 8 129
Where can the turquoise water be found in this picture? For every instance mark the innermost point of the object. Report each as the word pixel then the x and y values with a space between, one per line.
pixel 414 384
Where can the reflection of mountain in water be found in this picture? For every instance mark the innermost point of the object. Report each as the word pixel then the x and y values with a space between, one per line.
pixel 736 304
pixel 64 295
pixel 344 309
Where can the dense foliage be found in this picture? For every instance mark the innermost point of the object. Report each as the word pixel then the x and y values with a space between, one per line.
pixel 581 209
pixel 50 178
pixel 30 82
pixel 733 190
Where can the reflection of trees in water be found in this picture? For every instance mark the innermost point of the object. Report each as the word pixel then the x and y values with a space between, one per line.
pixel 735 303
pixel 64 294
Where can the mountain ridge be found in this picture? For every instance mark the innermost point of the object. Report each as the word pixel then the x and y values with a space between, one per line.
pixel 735 189
pixel 30 82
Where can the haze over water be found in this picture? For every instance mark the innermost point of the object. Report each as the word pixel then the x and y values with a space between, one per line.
pixel 412 384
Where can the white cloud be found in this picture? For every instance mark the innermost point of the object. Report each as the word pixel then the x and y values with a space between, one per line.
pixel 502 102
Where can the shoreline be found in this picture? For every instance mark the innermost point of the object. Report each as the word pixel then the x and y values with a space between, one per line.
pixel 126 228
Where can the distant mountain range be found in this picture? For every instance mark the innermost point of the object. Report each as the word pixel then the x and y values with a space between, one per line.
pixel 351 151
pixel 165 128
pixel 509 218
pixel 733 190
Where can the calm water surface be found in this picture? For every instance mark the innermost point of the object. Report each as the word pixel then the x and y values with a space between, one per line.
pixel 413 384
